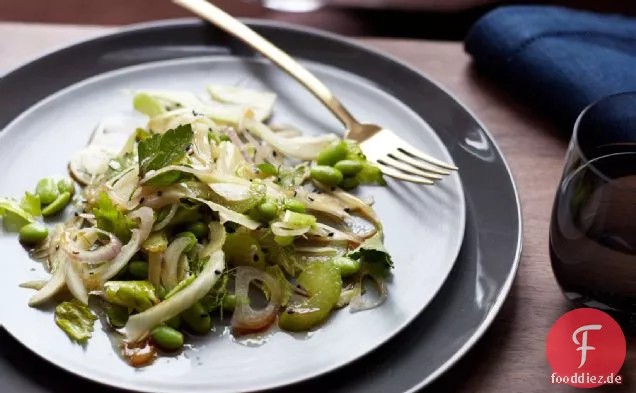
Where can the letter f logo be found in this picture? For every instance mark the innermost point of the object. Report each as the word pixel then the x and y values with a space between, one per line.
pixel 583 344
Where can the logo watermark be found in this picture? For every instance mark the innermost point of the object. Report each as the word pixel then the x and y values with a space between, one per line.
pixel 586 348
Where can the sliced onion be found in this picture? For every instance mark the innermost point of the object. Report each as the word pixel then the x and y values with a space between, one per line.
pixel 279 229
pixel 331 234
pixel 79 253
pixel 57 263
pixel 37 285
pixel 139 235
pixel 75 284
pixel 245 318
pixel 321 251
pixel 217 239
pixel 53 286
pixel 123 190
pixel 164 223
pixel 167 196
pixel 182 268
pixel 140 324
pixel 234 138
pixel 226 215
pixel 170 272
pixel 322 203
pixel 352 202
pixel 358 303
pixel 201 173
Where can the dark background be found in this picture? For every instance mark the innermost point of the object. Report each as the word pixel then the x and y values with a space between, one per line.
pixel 351 21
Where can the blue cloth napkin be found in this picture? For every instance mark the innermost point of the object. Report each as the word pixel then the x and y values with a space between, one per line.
pixel 561 60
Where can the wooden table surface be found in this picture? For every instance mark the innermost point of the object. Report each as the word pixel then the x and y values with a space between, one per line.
pixel 511 356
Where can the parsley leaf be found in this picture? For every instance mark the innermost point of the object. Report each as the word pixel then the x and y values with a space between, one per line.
pixel 110 219
pixel 161 150
pixel 372 250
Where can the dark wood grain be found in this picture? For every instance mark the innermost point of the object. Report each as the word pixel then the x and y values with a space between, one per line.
pixel 511 357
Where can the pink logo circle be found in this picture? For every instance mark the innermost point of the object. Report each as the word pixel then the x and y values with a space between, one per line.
pixel 586 348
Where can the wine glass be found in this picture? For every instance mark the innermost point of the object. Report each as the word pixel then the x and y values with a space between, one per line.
pixel 593 225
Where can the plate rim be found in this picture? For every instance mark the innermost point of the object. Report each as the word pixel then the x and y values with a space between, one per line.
pixel 505 289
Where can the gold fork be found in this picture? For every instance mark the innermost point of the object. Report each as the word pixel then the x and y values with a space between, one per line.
pixel 395 157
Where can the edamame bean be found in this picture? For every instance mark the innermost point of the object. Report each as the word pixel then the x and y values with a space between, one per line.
pixel 348 167
pixel 33 233
pixel 174 322
pixel 332 154
pixel 138 269
pixel 347 266
pixel 199 229
pixel 47 190
pixel 349 182
pixel 268 210
pixel 66 185
pixel 294 205
pixel 326 175
pixel 167 338
pixel 57 205
pixel 197 319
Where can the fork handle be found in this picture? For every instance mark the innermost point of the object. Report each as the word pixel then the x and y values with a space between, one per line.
pixel 239 30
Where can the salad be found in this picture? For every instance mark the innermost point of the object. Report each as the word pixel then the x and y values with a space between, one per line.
pixel 201 215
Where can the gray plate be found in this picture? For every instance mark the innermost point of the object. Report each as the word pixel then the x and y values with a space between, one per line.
pixel 485 268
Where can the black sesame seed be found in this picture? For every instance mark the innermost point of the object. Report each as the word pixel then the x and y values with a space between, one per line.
pixel 57 247
pixel 203 315
pixel 159 193
pixel 189 147
pixel 347 210
pixel 75 252
pixel 217 272
pixel 76 214
pixel 91 273
pixel 290 311
pixel 210 129
pixel 330 234
pixel 255 258
pixel 142 200
pixel 274 153
pixel 278 179
pixel 333 188
pixel 311 199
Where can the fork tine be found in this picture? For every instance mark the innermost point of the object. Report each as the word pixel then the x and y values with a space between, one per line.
pixel 417 163
pixel 387 170
pixel 408 168
pixel 425 157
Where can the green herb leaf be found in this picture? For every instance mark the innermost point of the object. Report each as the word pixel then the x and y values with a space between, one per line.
pixel 161 150
pixel 76 319
pixel 31 204
pixel 372 251
pixel 110 219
